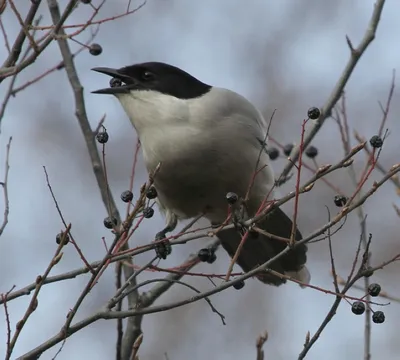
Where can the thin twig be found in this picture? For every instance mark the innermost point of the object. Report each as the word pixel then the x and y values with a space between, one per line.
pixel 34 300
pixel 4 185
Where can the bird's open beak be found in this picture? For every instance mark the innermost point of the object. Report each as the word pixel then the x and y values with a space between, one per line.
pixel 127 82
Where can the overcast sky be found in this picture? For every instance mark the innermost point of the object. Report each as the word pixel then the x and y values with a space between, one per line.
pixel 283 55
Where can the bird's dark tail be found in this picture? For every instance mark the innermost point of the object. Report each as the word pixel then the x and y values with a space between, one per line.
pixel 259 248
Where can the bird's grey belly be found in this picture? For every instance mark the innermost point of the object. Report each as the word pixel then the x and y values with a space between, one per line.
pixel 196 183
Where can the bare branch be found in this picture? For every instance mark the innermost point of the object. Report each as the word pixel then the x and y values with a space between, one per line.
pixel 10 67
pixel 326 110
pixel 106 314
pixel 134 323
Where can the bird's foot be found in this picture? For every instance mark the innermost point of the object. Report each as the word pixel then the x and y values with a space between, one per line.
pixel 162 247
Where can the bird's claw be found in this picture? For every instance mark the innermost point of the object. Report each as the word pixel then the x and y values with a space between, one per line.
pixel 162 247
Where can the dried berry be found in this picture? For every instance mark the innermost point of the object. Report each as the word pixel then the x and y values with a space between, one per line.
pixel 231 198
pixel 60 236
pixel 340 200
pixel 115 82
pixel 239 285
pixel 311 152
pixel 287 149
pixel 376 141
pixel 358 308
pixel 273 153
pixel 102 137
pixel 95 49
pixel 313 113
pixel 110 222
pixel 378 317
pixel 207 255
pixel 148 212
pixel 374 289
pixel 151 193
pixel 127 196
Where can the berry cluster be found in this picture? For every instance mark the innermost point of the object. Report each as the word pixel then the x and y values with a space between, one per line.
pixel 358 307
pixel 311 152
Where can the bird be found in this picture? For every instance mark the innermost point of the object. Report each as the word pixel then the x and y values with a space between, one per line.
pixel 207 142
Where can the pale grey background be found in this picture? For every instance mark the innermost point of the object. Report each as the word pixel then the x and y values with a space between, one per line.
pixel 284 55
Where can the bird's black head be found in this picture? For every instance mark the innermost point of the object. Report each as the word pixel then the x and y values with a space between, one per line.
pixel 156 76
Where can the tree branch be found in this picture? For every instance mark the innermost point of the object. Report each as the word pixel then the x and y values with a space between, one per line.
pixel 355 55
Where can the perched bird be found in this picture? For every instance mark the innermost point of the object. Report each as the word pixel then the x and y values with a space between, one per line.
pixel 209 142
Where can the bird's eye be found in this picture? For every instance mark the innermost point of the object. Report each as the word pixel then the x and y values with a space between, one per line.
pixel 147 75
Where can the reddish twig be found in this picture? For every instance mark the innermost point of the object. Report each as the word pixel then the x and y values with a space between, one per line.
pixel 296 198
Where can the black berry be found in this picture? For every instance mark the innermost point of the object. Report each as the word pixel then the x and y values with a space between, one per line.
pixel 287 149
pixel 163 249
pixel 239 285
pixel 60 236
pixel 273 153
pixel 378 317
pixel 86 1
pixel 115 82
pixel 127 196
pixel 376 141
pixel 148 212
pixel 102 137
pixel 95 49
pixel 151 193
pixel 207 255
pixel 358 308
pixel 374 289
pixel 313 113
pixel 311 152
pixel 231 198
pixel 110 222
pixel 340 200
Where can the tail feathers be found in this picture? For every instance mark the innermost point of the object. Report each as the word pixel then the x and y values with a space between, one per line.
pixel 259 248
